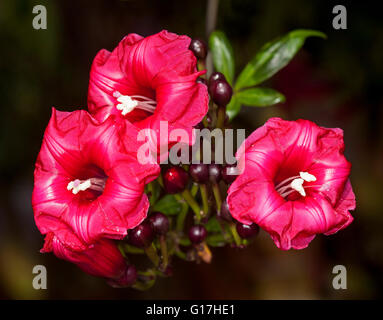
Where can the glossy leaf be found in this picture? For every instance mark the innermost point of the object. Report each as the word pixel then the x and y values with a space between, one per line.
pixel 260 97
pixel 222 53
pixel 168 205
pixel 273 56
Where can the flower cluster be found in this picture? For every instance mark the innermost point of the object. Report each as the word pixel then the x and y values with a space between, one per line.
pixel 89 186
pixel 95 202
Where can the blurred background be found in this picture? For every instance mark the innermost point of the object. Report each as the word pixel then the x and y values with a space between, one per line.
pixel 335 82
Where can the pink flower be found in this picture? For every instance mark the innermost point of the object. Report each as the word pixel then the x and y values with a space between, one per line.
pixel 102 259
pixel 88 183
pixel 148 80
pixel 295 182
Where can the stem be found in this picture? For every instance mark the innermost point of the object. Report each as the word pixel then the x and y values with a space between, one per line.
pixel 221 117
pixel 234 232
pixel 130 249
pixel 151 252
pixel 192 203
pixel 223 231
pixel 161 180
pixel 147 273
pixel 217 196
pixel 211 20
pixel 145 280
pixel 151 191
pixel 164 252
pixel 205 123
pixel 181 255
pixel 120 247
pixel 201 65
pixel 194 189
pixel 204 196
pixel 211 16
pixel 181 216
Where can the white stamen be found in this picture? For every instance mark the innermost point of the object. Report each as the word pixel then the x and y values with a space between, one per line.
pixel 285 181
pixel 116 94
pixel 129 103
pixel 296 184
pixel 77 185
pixel 307 176
pixel 126 105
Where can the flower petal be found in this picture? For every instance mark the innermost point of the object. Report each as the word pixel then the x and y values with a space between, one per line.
pixel 103 259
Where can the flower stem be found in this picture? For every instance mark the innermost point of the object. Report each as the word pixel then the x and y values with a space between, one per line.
pixel 151 252
pixel 145 280
pixel 182 215
pixel 211 16
pixel 221 117
pixel 192 203
pixel 205 123
pixel 194 189
pixel 235 234
pixel 211 20
pixel 202 66
pixel 217 196
pixel 161 180
pixel 164 252
pixel 204 196
pixel 180 254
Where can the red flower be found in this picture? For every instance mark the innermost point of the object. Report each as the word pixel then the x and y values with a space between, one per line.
pixel 295 182
pixel 148 80
pixel 88 183
pixel 103 259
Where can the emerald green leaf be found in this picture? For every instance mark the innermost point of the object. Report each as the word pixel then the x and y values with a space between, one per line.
pixel 222 52
pixel 168 205
pixel 260 97
pixel 233 108
pixel 273 56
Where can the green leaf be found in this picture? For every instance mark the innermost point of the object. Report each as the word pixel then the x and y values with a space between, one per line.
pixel 273 56
pixel 260 97
pixel 213 225
pixel 168 205
pixel 233 108
pixel 216 240
pixel 222 52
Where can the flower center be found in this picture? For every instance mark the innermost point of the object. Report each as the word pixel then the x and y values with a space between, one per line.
pixel 96 184
pixel 128 103
pixel 295 184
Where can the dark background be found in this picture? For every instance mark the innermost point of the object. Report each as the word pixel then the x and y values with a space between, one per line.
pixel 335 82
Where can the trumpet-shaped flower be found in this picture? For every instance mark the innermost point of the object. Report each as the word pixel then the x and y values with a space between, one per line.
pixel 294 182
pixel 149 80
pixel 88 182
